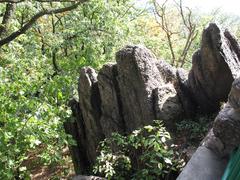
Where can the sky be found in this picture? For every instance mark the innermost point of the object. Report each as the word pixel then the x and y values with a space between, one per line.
pixel 227 6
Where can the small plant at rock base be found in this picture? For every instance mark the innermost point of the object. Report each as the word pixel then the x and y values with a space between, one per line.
pixel 146 153
pixel 195 129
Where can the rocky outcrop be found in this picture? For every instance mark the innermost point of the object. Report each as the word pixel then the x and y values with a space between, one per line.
pixel 131 93
pixel 214 68
pixel 210 160
pixel 224 137
pixel 122 97
pixel 138 76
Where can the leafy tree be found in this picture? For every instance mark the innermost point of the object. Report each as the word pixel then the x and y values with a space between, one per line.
pixel 40 57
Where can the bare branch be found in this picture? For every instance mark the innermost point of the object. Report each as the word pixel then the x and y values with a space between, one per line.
pixel 160 12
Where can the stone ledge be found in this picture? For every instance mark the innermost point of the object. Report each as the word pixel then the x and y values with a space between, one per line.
pixel 80 177
pixel 204 165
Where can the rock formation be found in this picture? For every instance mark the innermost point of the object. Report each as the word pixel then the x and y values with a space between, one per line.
pixel 214 68
pixel 90 104
pixel 111 104
pixel 224 137
pixel 210 159
pixel 139 88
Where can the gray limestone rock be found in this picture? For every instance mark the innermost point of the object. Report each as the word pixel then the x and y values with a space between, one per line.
pixel 90 105
pixel 184 92
pixel 167 72
pixel 76 128
pixel 227 124
pixel 214 68
pixel 138 76
pixel 111 105
pixel 167 105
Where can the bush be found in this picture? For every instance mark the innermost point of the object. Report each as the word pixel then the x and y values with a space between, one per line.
pixel 146 153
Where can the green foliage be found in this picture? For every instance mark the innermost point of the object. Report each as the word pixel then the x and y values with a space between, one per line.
pixel 195 129
pixel 146 152
pixel 28 122
pixel 33 93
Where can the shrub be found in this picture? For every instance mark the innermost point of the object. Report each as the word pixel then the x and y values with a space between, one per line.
pixel 146 153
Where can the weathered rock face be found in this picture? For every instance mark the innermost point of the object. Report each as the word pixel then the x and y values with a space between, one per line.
pixel 185 94
pixel 227 123
pixel 214 68
pixel 167 105
pixel 123 97
pixel 138 76
pixel 139 88
pixel 76 128
pixel 111 106
pixel 167 72
pixel 210 159
pixel 90 104
pixel 224 137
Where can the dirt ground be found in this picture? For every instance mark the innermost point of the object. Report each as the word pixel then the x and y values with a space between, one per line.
pixel 54 172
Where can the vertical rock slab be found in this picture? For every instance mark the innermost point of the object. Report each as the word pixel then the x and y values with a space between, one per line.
pixel 90 105
pixel 138 76
pixel 214 68
pixel 76 128
pixel 111 105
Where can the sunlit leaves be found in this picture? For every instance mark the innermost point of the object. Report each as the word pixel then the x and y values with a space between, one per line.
pixel 33 96
pixel 146 152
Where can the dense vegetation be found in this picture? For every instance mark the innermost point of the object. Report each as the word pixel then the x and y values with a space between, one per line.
pixel 146 152
pixel 43 44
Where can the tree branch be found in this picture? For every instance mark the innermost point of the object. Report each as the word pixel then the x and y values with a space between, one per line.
pixel 6 18
pixel 29 24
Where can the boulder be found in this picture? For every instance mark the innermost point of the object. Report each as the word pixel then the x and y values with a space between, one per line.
pixel 138 76
pixel 214 68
